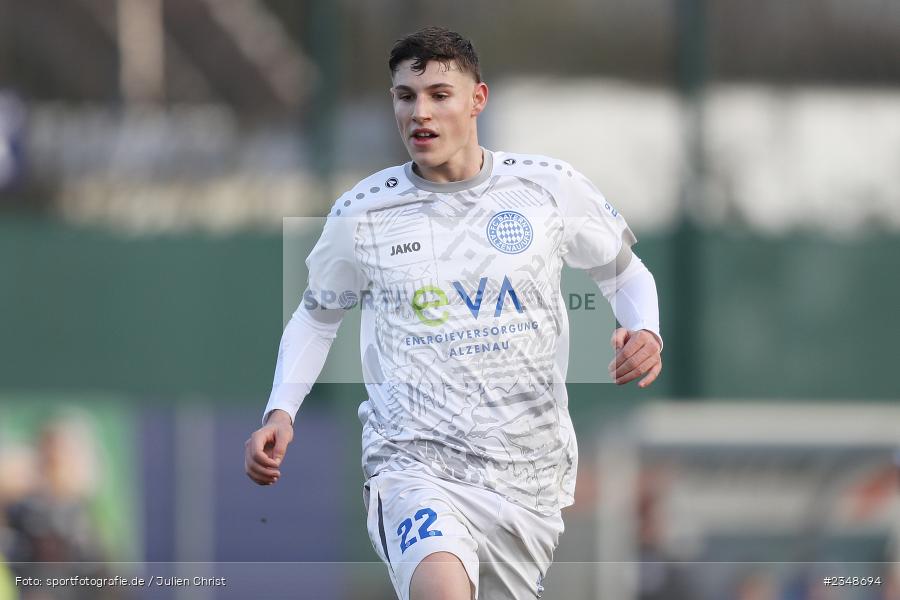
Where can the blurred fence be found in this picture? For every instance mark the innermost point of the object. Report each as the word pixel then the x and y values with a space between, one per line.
pixel 803 317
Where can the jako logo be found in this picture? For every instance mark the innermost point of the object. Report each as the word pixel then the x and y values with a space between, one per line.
pixel 404 248
pixel 421 303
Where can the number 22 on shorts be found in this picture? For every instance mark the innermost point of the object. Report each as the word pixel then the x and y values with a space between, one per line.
pixel 407 525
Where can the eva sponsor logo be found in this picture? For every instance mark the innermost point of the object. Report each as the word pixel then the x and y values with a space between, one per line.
pixel 428 301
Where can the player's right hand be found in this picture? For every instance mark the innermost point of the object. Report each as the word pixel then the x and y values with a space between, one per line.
pixel 266 448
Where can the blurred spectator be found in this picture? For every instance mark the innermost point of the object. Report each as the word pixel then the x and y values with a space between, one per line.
pixel 12 134
pixel 661 577
pixel 51 521
pixel 17 479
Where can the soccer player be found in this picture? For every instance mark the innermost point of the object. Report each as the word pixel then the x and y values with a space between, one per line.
pixel 455 259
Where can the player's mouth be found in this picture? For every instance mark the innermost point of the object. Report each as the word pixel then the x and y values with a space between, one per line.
pixel 422 137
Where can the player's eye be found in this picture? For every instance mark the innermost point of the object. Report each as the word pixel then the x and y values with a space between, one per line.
pixel 441 96
pixel 404 97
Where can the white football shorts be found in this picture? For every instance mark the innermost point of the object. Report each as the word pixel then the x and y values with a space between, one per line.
pixel 505 548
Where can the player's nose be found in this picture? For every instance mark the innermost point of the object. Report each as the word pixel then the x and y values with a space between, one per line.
pixel 421 110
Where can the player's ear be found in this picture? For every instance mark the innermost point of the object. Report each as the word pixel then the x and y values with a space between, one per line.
pixel 479 98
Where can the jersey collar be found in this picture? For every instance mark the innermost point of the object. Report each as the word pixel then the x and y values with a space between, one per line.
pixel 453 186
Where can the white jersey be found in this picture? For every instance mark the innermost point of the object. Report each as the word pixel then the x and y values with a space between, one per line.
pixel 464 335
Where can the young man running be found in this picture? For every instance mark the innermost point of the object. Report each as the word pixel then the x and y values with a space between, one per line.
pixel 468 449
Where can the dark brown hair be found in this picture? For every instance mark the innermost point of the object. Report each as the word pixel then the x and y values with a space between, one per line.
pixel 435 43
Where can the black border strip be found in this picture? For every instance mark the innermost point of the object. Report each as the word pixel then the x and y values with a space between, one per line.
pixel 381 531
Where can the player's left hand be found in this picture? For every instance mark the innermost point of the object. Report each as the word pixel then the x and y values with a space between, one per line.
pixel 637 354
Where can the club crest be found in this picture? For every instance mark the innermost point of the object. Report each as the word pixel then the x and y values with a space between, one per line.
pixel 510 232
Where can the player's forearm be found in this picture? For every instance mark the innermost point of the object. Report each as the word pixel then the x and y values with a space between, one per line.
pixel 301 356
pixel 633 297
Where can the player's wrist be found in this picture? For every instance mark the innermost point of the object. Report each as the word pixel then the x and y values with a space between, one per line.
pixel 656 337
pixel 278 416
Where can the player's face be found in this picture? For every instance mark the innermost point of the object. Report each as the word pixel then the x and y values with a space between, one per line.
pixel 435 112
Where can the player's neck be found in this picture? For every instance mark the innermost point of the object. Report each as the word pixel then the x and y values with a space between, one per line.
pixel 464 165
